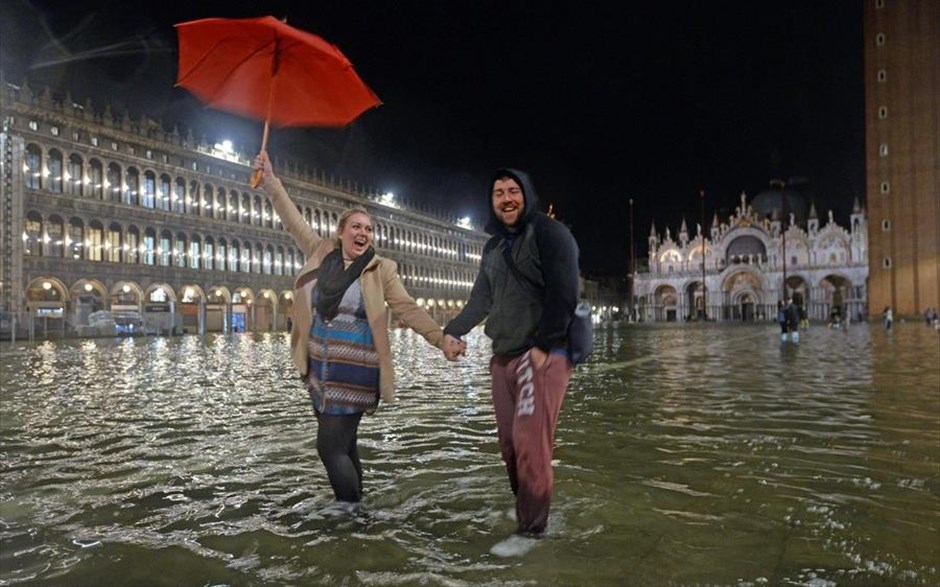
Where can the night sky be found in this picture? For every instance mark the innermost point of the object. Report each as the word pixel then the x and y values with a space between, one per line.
pixel 599 101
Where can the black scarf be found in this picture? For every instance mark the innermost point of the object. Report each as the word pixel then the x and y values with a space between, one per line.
pixel 334 279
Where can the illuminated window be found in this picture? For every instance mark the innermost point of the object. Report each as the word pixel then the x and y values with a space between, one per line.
pixel 33 171
pixel 32 237
pixel 94 241
pixel 55 171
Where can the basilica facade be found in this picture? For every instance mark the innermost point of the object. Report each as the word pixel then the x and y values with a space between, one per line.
pixel 771 249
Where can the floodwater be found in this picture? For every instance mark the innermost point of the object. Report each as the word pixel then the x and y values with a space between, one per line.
pixel 685 455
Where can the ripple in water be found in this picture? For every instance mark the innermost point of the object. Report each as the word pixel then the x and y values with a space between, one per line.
pixel 684 455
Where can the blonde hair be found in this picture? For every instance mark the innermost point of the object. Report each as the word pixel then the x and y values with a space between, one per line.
pixel 342 222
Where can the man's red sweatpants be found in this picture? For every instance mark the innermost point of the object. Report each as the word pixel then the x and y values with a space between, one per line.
pixel 527 402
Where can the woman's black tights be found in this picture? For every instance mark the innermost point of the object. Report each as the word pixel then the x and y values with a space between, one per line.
pixel 336 445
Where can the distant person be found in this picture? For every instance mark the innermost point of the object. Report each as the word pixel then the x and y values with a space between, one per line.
pixel 835 317
pixel 339 330
pixel 888 317
pixel 793 321
pixel 782 320
pixel 526 290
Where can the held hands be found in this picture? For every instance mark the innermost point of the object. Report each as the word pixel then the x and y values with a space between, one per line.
pixel 263 170
pixel 454 347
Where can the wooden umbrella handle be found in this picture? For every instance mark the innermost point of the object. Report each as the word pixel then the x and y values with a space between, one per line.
pixel 258 174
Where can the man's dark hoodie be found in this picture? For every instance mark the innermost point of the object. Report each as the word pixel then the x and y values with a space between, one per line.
pixel 534 308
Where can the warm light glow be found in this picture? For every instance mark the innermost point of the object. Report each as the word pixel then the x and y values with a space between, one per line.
pixel 46 285
pixel 88 287
pixel 126 288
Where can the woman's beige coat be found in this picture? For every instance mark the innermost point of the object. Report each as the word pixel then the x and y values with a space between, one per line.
pixel 380 286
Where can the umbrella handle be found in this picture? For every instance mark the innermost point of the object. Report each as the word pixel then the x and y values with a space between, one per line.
pixel 258 174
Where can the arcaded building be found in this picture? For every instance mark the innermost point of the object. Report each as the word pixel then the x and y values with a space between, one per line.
pixel 902 108
pixel 773 248
pixel 112 224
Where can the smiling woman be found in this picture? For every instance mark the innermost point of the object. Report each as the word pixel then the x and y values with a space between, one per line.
pixel 339 339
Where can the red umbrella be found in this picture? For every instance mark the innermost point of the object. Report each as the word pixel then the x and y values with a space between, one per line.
pixel 264 69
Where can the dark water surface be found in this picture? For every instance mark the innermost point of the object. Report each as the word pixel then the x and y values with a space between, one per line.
pixel 686 455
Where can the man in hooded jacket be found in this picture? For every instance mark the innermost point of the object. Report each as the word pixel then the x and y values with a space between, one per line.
pixel 527 311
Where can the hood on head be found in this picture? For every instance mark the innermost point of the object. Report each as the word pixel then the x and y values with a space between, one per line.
pixel 529 196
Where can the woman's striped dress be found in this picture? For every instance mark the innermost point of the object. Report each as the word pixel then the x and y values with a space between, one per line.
pixel 343 377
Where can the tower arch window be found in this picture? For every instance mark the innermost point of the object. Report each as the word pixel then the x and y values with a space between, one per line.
pixel 94 241
pixel 267 261
pixel 132 186
pixel 74 179
pixel 885 187
pixel 221 205
pixel 179 250
pixel 33 170
pixel 112 243
pixel 195 252
pixel 882 112
pixel 55 171
pixel 208 254
pixel 148 195
pixel 55 237
pixel 166 248
pixel 164 193
pixel 114 183
pixel 149 246
pixel 221 258
pixel 132 246
pixel 32 235
pixel 95 179
pixel 178 200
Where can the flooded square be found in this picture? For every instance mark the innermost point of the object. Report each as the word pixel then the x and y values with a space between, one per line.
pixel 685 454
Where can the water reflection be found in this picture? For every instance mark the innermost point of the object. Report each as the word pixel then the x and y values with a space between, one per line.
pixel 685 455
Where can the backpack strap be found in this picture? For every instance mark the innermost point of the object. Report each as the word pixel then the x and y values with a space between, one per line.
pixel 526 283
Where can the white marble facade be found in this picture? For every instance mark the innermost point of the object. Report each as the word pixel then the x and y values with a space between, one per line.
pixel 747 259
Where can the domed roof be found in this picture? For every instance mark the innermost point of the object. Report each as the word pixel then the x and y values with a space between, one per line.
pixel 777 204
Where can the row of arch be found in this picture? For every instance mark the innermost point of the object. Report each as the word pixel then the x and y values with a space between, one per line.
pixel 751 250
pixel 52 171
pixel 114 242
pixel 743 295
pixel 92 306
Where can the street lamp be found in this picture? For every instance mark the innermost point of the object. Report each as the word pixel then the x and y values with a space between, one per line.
pixel 782 185
pixel 701 194
pixel 632 276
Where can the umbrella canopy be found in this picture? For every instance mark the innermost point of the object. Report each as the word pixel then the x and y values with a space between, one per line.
pixel 264 69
